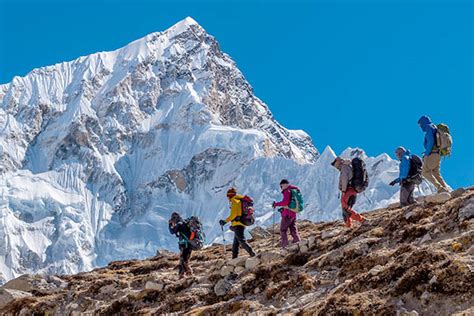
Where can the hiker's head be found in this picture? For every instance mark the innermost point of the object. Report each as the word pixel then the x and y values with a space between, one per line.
pixel 284 184
pixel 175 217
pixel 399 152
pixel 337 163
pixel 231 193
pixel 424 122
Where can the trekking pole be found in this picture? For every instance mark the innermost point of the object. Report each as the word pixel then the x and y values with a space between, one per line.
pixel 273 228
pixel 223 238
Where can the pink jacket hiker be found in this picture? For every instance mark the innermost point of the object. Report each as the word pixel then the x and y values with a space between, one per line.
pixel 286 201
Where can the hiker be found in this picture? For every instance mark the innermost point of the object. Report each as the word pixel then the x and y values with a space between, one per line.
pixel 288 216
pixel 236 201
pixel 349 192
pixel 179 227
pixel 431 155
pixel 409 176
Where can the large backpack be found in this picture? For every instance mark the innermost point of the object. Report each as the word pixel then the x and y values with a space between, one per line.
pixel 416 167
pixel 197 238
pixel 360 178
pixel 247 218
pixel 444 140
pixel 297 203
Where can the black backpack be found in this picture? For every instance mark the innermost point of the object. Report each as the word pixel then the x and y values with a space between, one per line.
pixel 416 167
pixel 197 238
pixel 360 178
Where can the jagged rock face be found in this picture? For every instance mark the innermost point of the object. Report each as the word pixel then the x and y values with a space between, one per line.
pixel 97 152
pixel 383 267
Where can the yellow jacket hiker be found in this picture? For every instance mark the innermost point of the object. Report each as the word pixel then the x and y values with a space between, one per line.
pixel 235 210
pixel 237 227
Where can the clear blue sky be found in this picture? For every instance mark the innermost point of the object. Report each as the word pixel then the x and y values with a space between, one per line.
pixel 350 73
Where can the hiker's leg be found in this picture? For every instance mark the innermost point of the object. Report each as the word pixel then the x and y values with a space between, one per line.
pixel 186 257
pixel 235 245
pixel 437 173
pixel 243 241
pixel 294 231
pixel 411 189
pixel 347 218
pixel 404 194
pixel 285 223
pixel 429 164
pixel 182 267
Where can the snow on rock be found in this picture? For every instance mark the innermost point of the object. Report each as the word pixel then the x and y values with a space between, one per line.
pixel 97 152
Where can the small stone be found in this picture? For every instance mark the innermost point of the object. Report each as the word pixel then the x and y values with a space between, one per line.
pixel 329 233
pixel 222 287
pixel 311 241
pixel 433 280
pixel 426 295
pixel 426 238
pixel 409 215
pixel 304 249
pixel 375 270
pixel 150 285
pixel 458 192
pixel 256 291
pixel 226 270
pixel 293 248
pixel 438 198
pixel 268 256
pixel 239 261
pixel 251 263
pixel 239 270
pixel 467 211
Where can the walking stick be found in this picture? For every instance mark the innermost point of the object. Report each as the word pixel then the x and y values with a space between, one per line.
pixel 370 201
pixel 223 238
pixel 273 228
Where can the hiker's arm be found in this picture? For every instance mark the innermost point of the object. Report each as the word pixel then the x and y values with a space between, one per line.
pixel 173 228
pixel 344 178
pixel 286 199
pixel 404 169
pixel 430 139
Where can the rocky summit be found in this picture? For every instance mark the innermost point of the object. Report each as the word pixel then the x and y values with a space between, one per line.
pixel 415 260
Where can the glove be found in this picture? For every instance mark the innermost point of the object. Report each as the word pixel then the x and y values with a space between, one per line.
pixel 273 204
pixel 222 222
pixel 393 183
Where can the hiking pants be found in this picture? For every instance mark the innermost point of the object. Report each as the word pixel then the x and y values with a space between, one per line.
pixel 184 258
pixel 348 200
pixel 406 193
pixel 288 223
pixel 239 240
pixel 431 167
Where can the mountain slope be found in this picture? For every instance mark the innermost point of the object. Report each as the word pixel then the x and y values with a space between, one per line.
pixel 416 260
pixel 97 152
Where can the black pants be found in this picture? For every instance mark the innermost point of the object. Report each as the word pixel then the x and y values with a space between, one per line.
pixel 239 240
pixel 406 193
pixel 184 259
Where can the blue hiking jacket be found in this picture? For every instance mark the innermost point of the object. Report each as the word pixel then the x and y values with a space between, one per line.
pixel 404 166
pixel 430 134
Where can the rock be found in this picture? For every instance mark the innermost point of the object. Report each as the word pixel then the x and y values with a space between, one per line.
pixel 426 238
pixel 438 198
pixel 23 283
pixel 376 270
pixel 251 263
pixel 377 232
pixel 311 241
pixel 330 233
pixel 433 280
pixel 304 249
pixel 293 248
pixel 239 261
pixel 467 211
pixel 425 296
pixel 256 291
pixel 150 285
pixel 393 205
pixel 239 270
pixel 268 256
pixel 226 270
pixel 458 192
pixel 409 215
pixel 108 289
pixel 8 295
pixel 222 287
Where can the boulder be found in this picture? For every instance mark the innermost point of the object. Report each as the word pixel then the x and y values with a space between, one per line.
pixel 467 211
pixel 330 233
pixel 226 270
pixel 150 285
pixel 239 261
pixel 9 295
pixel 438 198
pixel 268 256
pixel 251 263
pixel 222 287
